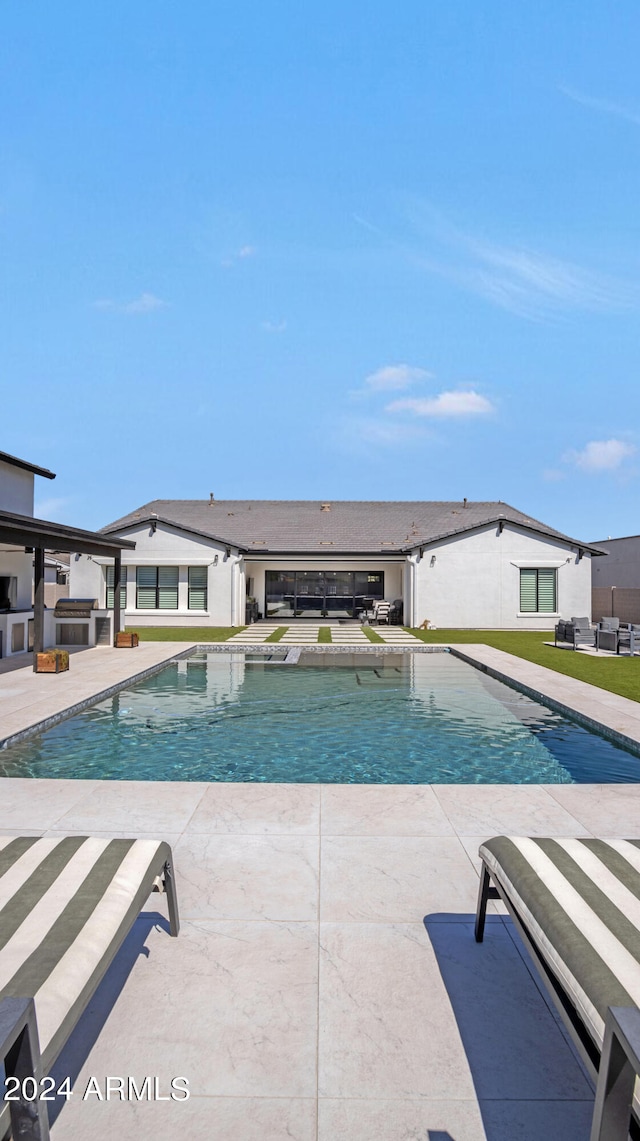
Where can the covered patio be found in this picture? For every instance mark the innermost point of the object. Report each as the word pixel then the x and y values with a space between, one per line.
pixel 24 532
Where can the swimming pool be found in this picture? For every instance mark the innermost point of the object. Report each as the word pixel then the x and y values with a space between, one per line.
pixel 380 719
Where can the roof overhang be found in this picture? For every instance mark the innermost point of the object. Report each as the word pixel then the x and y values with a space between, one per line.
pixel 26 466
pixel 504 521
pixel 25 531
pixel 152 521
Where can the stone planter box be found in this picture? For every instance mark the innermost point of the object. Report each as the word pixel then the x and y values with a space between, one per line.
pixel 52 662
pixel 125 639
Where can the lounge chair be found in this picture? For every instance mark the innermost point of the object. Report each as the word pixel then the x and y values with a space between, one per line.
pixel 576 905
pixel 66 906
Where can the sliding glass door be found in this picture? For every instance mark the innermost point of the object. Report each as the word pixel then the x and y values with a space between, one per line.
pixel 321 594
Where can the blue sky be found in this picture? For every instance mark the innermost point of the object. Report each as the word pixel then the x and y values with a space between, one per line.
pixel 359 251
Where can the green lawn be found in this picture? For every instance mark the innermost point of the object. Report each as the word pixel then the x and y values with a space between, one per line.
pixel 324 634
pixel 371 634
pixel 277 634
pixel 618 675
pixel 185 633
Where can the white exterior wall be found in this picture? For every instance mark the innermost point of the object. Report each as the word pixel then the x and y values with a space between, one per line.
pixel 168 547
pixel 16 489
pixel 475 580
pixel 18 565
pixel 393 572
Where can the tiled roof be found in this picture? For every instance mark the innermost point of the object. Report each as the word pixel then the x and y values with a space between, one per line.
pixel 346 526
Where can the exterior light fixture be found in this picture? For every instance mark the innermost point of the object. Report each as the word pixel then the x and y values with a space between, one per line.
pixel 432 562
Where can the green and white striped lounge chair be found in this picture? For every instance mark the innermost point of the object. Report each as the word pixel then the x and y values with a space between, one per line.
pixel 576 904
pixel 66 906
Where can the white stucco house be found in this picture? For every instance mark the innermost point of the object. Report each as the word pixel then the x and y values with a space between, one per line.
pixel 455 564
pixel 25 620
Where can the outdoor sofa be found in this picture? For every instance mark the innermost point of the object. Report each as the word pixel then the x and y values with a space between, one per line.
pixel 576 905
pixel 66 906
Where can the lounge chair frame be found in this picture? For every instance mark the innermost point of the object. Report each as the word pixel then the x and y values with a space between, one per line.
pixel 19 1040
pixel 614 1071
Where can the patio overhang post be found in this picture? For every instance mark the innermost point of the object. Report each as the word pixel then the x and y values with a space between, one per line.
pixel 117 586
pixel 38 603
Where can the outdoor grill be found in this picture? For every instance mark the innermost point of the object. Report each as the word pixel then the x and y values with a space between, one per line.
pixel 75 607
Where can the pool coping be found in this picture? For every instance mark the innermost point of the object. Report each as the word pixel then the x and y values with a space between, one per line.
pixel 541 695
pixel 516 672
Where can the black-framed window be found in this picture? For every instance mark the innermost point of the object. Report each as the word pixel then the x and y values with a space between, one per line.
pixel 538 590
pixel 198 588
pixel 156 588
pixel 109 573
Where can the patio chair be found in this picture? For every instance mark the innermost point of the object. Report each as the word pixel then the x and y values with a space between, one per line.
pixel 396 612
pixel 629 638
pixel 579 632
pixel 66 905
pixel 607 634
pixel 381 612
pixel 576 905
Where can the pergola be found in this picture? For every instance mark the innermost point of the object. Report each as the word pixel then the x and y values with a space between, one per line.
pixel 39 535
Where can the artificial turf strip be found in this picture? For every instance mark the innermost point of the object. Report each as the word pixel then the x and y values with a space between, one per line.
pixel 185 633
pixel 324 634
pixel 619 675
pixel 277 634
pixel 371 634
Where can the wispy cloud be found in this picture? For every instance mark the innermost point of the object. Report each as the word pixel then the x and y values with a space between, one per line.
pixel 394 378
pixel 528 282
pixel 145 303
pixel 52 509
pixel 601 455
pixel 608 106
pixel 445 405
pixel 239 255
pixel 376 431
pixel 273 326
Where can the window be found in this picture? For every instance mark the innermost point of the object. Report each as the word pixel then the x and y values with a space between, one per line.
pixel 198 588
pixel 538 590
pixel 156 588
pixel 109 572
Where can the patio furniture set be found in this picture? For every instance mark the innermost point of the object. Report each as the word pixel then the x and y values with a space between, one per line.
pixel 608 634
pixel 378 612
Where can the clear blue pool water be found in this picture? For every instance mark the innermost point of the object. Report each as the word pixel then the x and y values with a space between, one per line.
pixel 392 719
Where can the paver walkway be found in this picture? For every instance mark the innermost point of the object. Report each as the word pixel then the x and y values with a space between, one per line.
pixel 254 634
pixel 306 633
pixel 396 636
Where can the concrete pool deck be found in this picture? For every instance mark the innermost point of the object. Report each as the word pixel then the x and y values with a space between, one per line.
pixel 325 985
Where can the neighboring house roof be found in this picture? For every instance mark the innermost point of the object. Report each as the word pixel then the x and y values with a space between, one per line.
pixel 15 462
pixel 339 527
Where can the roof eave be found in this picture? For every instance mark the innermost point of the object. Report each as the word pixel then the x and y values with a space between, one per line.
pixel 567 540
pixel 26 466
pixel 150 519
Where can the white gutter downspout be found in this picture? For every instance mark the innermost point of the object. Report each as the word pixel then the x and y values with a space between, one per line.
pixel 234 591
pixel 413 561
